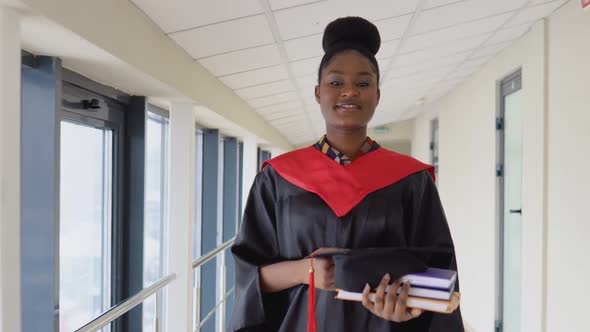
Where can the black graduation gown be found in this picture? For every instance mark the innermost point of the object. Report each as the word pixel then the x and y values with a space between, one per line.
pixel 285 222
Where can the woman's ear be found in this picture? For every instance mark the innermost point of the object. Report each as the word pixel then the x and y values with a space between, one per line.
pixel 378 95
pixel 317 93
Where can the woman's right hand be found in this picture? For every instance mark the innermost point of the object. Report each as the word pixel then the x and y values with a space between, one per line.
pixel 286 274
pixel 323 273
pixel 323 268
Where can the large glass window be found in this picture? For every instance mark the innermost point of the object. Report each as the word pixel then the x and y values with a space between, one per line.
pixel 86 197
pixel 434 146
pixel 155 225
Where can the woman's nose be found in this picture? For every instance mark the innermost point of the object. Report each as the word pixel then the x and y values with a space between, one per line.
pixel 349 91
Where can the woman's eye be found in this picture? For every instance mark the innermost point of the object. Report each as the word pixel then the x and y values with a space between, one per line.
pixel 336 83
pixel 363 84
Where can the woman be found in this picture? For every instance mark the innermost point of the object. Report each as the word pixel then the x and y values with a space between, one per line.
pixel 343 192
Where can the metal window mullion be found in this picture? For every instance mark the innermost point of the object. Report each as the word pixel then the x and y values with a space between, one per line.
pixel 107 170
pixel 159 313
pixel 198 224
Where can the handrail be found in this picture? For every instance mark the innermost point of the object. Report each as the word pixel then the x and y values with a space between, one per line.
pixel 214 310
pixel 205 258
pixel 125 306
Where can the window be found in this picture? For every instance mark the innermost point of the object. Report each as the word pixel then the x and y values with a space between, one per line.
pixel 434 146
pixel 155 226
pixel 90 168
pixel 263 156
pixel 85 223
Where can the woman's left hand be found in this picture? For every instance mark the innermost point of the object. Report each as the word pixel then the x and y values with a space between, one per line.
pixel 390 305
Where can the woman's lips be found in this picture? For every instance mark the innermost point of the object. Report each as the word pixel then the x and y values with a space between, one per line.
pixel 346 107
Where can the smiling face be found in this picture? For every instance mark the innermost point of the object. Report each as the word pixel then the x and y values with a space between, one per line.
pixel 348 92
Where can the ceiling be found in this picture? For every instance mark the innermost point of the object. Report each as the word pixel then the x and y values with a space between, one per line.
pixel 268 51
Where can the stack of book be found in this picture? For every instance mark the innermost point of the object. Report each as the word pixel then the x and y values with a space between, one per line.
pixel 432 290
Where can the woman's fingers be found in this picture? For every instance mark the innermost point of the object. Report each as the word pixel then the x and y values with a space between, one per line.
pixel 390 301
pixel 401 314
pixel 380 295
pixel 388 304
pixel 415 313
pixel 367 303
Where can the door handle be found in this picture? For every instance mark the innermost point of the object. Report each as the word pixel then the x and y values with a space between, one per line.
pixel 516 211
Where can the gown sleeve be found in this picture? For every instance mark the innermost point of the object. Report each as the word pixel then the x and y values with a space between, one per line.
pixel 255 245
pixel 430 229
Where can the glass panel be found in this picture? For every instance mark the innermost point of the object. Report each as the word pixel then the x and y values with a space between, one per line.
pixel 86 166
pixel 208 294
pixel 434 149
pixel 512 216
pixel 154 241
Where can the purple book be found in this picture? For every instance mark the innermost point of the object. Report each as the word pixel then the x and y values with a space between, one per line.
pixel 432 278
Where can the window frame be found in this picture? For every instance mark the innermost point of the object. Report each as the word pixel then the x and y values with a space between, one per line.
pixel 111 116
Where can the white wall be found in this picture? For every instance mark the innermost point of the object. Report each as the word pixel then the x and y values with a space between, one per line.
pixel 556 186
pixel 10 301
pixel 568 247
pixel 403 147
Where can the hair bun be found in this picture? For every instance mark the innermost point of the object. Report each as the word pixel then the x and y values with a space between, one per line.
pixel 351 31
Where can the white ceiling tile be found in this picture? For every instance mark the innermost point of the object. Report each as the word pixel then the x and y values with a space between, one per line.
pixel 305 20
pixel 490 50
pixel 463 72
pixel 388 49
pixel 308 95
pixel 273 100
pixel 455 32
pixel 255 77
pixel 441 88
pixel 418 79
pixel 265 90
pixel 222 37
pixel 383 115
pixel 452 82
pixel 538 2
pixel 463 11
pixel 456 46
pixel 477 62
pixel 315 114
pixel 424 56
pixel 375 9
pixel 296 118
pixel 175 15
pixel 282 4
pixel 309 100
pixel 320 129
pixel 289 114
pixel 312 19
pixel 307 83
pixel 393 28
pixel 410 72
pixel 509 34
pixel 422 66
pixel 305 47
pixel 534 13
pixel 286 106
pixel 241 61
pixel 306 67
pixel 294 128
pixel 383 64
pixel 437 3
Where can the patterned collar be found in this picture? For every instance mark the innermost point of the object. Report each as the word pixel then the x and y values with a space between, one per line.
pixel 338 156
